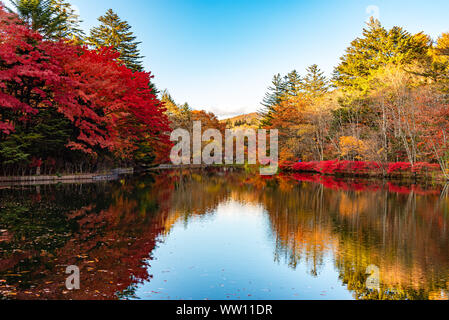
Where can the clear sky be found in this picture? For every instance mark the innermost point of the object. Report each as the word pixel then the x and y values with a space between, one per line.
pixel 220 56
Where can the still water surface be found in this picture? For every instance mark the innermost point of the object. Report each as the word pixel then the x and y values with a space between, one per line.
pixel 226 235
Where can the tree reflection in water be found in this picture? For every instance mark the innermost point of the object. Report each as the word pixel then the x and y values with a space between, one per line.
pixel 110 230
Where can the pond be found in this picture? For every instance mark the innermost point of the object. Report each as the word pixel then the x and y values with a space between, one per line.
pixel 182 235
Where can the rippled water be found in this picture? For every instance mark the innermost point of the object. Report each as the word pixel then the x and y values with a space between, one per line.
pixel 226 235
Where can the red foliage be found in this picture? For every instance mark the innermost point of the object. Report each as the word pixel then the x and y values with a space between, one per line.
pixel 25 65
pixel 421 167
pixel 35 163
pixel 286 165
pixel 306 167
pixel 397 167
pixel 335 167
pixel 402 189
pixel 111 106
pixel 128 110
pixel 334 183
pixel 50 162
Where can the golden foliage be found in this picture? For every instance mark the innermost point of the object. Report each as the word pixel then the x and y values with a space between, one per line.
pixel 352 148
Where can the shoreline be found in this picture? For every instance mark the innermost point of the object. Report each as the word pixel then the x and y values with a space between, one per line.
pixel 7 181
pixel 419 172
pixel 440 179
pixel 106 176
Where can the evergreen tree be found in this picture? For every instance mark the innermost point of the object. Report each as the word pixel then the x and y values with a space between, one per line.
pixel 315 83
pixel 48 135
pixel 116 33
pixel 439 70
pixel 293 83
pixel 53 19
pixel 272 98
pixel 179 115
pixel 153 88
pixel 169 103
pixel 442 47
pixel 377 48
pixel 71 26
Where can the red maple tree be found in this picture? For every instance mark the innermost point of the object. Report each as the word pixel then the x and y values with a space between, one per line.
pixel 110 106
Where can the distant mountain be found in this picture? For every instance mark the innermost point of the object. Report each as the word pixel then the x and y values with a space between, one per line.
pixel 245 120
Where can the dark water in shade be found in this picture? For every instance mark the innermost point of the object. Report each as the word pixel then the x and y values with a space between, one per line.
pixel 234 235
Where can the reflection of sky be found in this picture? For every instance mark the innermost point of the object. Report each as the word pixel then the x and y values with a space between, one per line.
pixel 230 255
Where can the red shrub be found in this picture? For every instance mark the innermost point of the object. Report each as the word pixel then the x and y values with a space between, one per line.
pixel 306 167
pixel 332 167
pixel 337 167
pixel 421 167
pixel 398 167
pixel 286 165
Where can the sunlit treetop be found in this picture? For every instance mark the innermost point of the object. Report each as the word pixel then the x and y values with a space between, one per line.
pixel 378 47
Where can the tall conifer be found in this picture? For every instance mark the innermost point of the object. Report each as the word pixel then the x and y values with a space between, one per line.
pixel 314 84
pixel 116 33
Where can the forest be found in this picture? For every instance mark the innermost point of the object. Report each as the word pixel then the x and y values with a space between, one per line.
pixel 384 110
pixel 72 102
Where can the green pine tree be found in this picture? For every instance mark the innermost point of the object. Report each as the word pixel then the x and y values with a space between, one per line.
pixel 71 27
pixel 314 84
pixel 179 115
pixel 377 48
pixel 293 83
pixel 12 151
pixel 53 19
pixel 116 33
pixel 272 98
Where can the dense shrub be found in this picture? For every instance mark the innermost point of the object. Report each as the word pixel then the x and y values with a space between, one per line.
pixel 337 167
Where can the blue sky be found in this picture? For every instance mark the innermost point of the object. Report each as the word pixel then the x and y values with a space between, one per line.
pixel 220 56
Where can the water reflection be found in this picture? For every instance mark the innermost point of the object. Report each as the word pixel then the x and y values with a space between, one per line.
pixel 225 235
